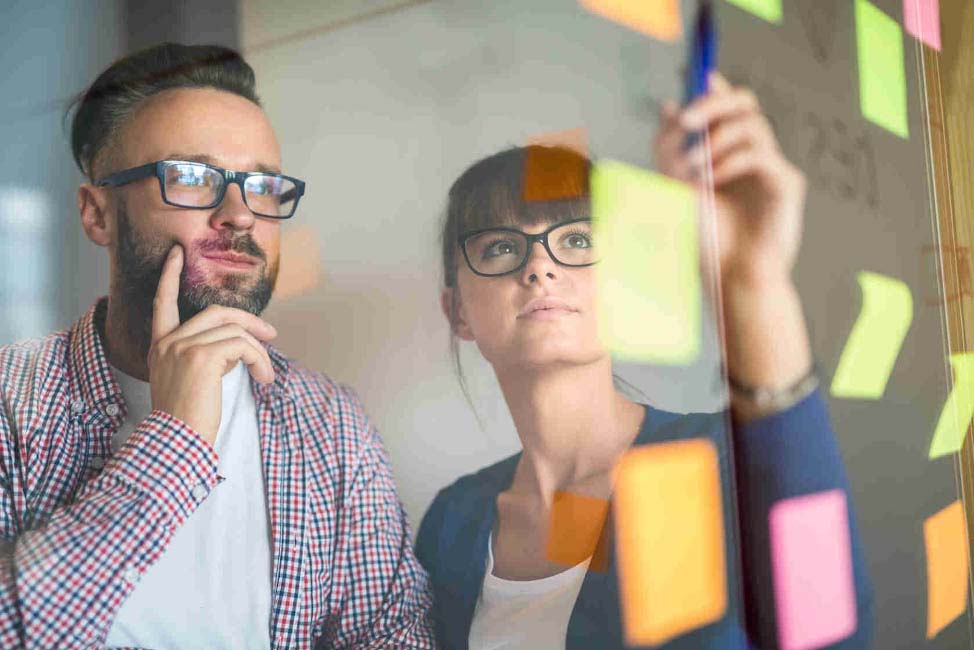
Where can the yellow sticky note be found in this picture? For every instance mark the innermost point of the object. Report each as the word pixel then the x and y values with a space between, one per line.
pixel 956 415
pixel 670 540
pixel 876 338
pixel 770 10
pixel 645 226
pixel 657 18
pixel 945 538
pixel 576 527
pixel 882 78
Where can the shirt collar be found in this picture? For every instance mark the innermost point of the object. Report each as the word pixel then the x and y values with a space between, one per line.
pixel 96 382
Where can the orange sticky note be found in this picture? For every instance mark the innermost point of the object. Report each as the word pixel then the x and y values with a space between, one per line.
pixel 945 537
pixel 669 525
pixel 300 271
pixel 577 521
pixel 556 167
pixel 657 18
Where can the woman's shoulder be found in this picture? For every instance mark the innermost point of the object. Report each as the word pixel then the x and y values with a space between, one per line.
pixel 460 509
pixel 461 498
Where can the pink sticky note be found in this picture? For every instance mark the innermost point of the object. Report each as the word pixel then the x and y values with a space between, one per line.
pixel 811 567
pixel 922 19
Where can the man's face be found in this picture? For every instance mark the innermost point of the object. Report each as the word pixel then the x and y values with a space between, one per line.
pixel 210 126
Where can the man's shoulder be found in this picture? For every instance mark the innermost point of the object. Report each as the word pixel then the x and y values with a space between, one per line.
pixel 45 356
pixel 327 403
pixel 313 387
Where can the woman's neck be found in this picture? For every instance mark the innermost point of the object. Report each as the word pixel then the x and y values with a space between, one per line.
pixel 574 427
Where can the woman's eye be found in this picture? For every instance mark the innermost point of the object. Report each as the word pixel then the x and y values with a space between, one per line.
pixel 498 248
pixel 578 240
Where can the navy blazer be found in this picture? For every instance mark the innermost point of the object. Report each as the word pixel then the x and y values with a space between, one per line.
pixel 780 456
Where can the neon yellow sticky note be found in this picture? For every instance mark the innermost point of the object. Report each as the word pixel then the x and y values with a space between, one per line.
pixel 657 18
pixel 882 78
pixel 877 336
pixel 669 527
pixel 948 437
pixel 945 539
pixel 645 226
pixel 770 10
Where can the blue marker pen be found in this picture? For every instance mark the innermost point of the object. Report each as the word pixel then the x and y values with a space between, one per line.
pixel 701 59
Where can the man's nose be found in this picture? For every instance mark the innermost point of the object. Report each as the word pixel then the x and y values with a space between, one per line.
pixel 233 212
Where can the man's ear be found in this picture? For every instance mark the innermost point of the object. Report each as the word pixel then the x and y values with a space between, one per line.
pixel 93 206
pixel 458 322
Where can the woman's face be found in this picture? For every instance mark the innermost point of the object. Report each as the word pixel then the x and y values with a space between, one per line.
pixel 542 315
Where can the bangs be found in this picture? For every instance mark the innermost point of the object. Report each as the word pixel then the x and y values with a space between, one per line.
pixel 522 187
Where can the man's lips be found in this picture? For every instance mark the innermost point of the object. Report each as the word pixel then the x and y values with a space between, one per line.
pixel 235 260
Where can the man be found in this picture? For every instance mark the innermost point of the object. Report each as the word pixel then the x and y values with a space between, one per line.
pixel 168 479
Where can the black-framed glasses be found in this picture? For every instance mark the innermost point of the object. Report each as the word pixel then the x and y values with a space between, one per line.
pixel 498 251
pixel 187 184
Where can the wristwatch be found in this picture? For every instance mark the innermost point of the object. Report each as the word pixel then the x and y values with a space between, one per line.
pixel 757 401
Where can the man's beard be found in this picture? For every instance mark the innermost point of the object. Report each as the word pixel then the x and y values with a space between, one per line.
pixel 139 265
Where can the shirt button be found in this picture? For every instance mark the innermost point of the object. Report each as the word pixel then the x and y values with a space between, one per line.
pixel 77 406
pixel 199 492
pixel 131 575
pixel 112 410
pixel 97 462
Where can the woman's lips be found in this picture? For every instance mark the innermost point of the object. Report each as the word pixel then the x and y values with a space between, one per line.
pixel 546 308
pixel 547 314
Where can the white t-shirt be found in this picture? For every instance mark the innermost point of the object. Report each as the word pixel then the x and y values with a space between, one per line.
pixel 211 587
pixel 524 614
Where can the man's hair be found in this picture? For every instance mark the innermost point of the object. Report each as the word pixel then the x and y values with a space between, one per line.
pixel 114 96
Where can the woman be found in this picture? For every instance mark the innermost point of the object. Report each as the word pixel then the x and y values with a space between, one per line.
pixel 530 310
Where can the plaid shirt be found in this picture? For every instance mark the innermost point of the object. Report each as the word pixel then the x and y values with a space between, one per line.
pixel 79 524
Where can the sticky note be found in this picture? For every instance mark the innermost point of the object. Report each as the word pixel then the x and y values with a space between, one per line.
pixel 577 521
pixel 876 338
pixel 300 271
pixel 811 569
pixel 770 10
pixel 922 19
pixel 657 18
pixel 882 78
pixel 557 168
pixel 956 415
pixel 945 538
pixel 669 540
pixel 645 226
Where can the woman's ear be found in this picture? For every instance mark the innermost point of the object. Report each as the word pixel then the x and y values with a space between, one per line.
pixel 93 210
pixel 457 320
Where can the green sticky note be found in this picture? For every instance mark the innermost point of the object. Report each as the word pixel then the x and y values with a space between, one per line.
pixel 770 10
pixel 649 276
pixel 948 438
pixel 882 78
pixel 877 335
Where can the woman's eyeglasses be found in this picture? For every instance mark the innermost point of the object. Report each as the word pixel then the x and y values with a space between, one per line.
pixel 498 251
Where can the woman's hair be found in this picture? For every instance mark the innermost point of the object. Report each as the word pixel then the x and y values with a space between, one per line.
pixel 114 96
pixel 522 186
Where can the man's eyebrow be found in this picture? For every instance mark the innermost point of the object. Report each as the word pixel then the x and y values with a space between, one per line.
pixel 210 160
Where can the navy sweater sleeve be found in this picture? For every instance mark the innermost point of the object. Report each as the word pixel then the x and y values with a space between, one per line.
pixel 789 454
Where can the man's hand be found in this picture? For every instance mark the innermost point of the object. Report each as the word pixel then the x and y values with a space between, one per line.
pixel 188 361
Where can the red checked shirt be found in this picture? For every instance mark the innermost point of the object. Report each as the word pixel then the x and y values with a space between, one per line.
pixel 79 525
